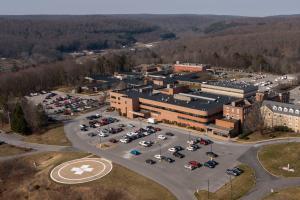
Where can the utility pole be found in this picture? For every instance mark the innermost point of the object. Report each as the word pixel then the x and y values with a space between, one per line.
pixel 8 115
pixel 100 141
pixel 231 196
pixel 211 147
pixel 207 188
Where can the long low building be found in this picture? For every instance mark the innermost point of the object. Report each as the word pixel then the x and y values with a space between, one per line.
pixel 234 89
pixel 196 109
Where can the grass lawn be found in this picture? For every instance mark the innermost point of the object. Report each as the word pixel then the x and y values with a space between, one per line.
pixel 240 186
pixel 24 181
pixel 53 136
pixel 256 136
pixel 9 150
pixel 274 157
pixel 292 193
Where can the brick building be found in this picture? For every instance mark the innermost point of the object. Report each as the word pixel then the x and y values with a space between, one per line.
pixel 281 114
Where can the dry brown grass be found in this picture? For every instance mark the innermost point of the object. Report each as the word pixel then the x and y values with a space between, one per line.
pixel 53 136
pixel 256 136
pixel 292 193
pixel 9 150
pixel 24 181
pixel 240 186
pixel 274 157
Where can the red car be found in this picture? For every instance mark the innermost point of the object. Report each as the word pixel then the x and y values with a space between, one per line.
pixel 194 164
pixel 157 129
pixel 203 141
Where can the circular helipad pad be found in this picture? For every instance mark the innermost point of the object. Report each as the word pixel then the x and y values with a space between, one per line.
pixel 81 170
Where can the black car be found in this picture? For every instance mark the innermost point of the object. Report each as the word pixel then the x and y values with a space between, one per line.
pixel 211 154
pixel 150 161
pixel 179 148
pixel 238 170
pixel 178 155
pixel 213 162
pixel 195 146
pixel 209 164
pixel 169 160
pixel 232 172
pixel 169 134
pixel 2 142
pixel 84 129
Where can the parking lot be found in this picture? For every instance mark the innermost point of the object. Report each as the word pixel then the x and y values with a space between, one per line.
pixel 191 179
pixel 60 105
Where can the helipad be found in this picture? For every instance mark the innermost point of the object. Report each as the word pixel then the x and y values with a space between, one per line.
pixel 81 170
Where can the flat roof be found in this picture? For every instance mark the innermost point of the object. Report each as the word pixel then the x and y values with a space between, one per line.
pixel 204 102
pixel 246 87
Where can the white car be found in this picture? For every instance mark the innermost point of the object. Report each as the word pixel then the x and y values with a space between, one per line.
pixel 103 134
pixel 172 149
pixel 191 142
pixel 144 143
pixel 131 134
pixel 124 140
pixel 161 137
pixel 97 125
pixel 158 156
pixel 190 148
pixel 130 125
pixel 188 166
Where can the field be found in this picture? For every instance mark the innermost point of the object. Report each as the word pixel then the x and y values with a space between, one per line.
pixel 9 150
pixel 247 180
pixel 288 193
pixel 274 157
pixel 52 136
pixel 21 179
pixel 256 136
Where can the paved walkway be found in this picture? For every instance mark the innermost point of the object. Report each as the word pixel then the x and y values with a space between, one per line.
pixel 264 181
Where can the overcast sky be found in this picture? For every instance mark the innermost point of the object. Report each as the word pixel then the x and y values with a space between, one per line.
pixel 220 7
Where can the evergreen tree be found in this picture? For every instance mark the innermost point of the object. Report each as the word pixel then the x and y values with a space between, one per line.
pixel 18 122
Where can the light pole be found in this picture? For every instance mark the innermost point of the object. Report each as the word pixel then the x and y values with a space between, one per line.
pixel 100 141
pixel 207 188
pixel 230 187
pixel 211 147
pixel 189 135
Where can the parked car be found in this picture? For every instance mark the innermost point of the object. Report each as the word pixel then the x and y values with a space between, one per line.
pixel 92 134
pixel 145 143
pixel 150 161
pixel 209 165
pixel 232 172
pixel 169 134
pixel 158 156
pixel 161 137
pixel 130 125
pixel 195 163
pixel 135 152
pixel 172 149
pixel 178 155
pixel 113 140
pixel 125 140
pixel 169 160
pixel 191 148
pixel 121 125
pixel 190 167
pixel 103 134
pixel 179 148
